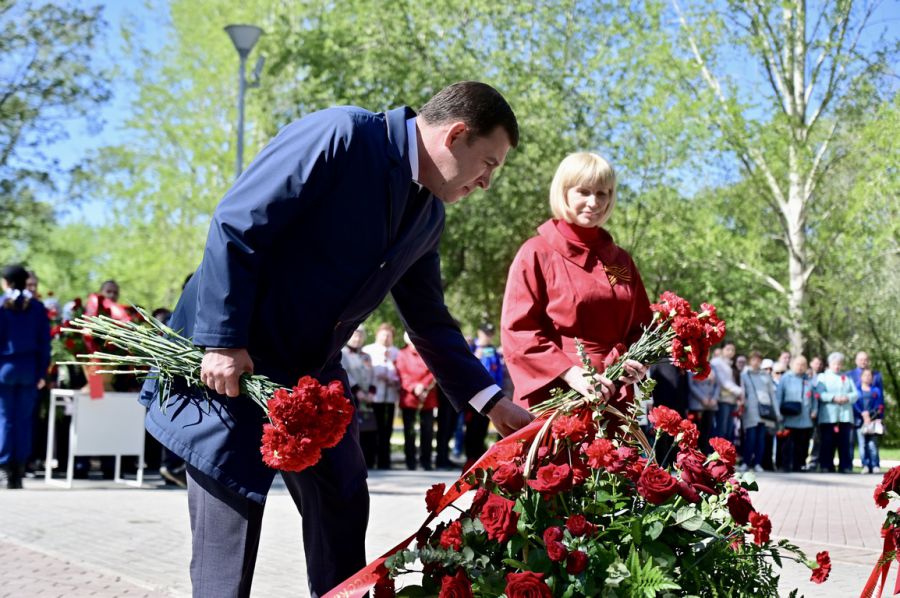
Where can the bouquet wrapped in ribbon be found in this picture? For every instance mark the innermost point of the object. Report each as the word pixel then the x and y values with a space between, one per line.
pixel 573 506
pixel 885 492
pixel 304 419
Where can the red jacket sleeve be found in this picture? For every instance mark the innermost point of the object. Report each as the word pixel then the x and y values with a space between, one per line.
pixel 530 342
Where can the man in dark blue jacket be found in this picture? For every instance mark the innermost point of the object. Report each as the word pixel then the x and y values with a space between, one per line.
pixel 280 291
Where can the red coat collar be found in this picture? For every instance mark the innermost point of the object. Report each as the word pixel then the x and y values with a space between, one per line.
pixel 604 247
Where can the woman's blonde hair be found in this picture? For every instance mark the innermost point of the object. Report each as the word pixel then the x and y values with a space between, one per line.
pixel 585 169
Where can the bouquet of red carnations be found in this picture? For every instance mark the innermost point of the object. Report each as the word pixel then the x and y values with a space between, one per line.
pixel 574 506
pixel 304 419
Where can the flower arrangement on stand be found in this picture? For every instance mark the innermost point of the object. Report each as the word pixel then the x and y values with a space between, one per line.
pixel 576 504
pixel 303 420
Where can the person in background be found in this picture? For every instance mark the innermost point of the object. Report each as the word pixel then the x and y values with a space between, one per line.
pixel 778 370
pixel 42 408
pixel 387 390
pixel 24 359
pixel 772 425
pixel 731 395
pixel 862 363
pixel 837 396
pixel 795 399
pixel 740 364
pixel 418 400
pixel 171 467
pixel 816 366
pixel 703 402
pixel 781 448
pixel 672 390
pixel 785 360
pixel 361 376
pixel 868 412
pixel 492 360
pixel 446 425
pixel 759 405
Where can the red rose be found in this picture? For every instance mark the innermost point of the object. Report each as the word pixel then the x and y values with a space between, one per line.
pixel 457 586
pixel 891 479
pixel 578 525
pixel 498 518
pixel 433 497
pixel 656 485
pixel 881 497
pixel 694 472
pixel 384 587
pixel 527 585
pixel 600 453
pixel 739 506
pixel 725 450
pixel 552 479
pixel 624 456
pixel 553 542
pixel 452 537
pixel 571 427
pixel 719 470
pixel 762 527
pixel 665 419
pixel 576 563
pixel 687 492
pixel 820 573
pixel 689 434
pixel 509 477
pixel 481 496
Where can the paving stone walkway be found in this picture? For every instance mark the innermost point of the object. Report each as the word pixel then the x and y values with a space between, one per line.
pixel 104 540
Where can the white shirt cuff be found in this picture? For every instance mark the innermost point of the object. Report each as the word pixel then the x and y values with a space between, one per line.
pixel 478 401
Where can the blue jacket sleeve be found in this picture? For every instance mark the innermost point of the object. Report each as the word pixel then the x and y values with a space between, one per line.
pixel 291 172
pixel 419 296
pixel 42 341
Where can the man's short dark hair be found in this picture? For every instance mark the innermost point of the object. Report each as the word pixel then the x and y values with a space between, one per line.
pixel 478 105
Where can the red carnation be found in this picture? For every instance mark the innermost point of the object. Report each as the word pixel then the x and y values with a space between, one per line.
pixel 571 427
pixel 600 453
pixel 527 585
pixel 286 452
pixel 690 434
pixel 580 471
pixel 433 497
pixel 665 419
pixel 762 527
pixel 452 537
pixel 820 573
pixel 552 479
pixel 498 518
pixel 509 477
pixel 739 505
pixel 624 456
pixel 578 525
pixel 687 327
pixel 881 497
pixel 457 586
pixel 725 449
pixel 656 485
pixel 576 563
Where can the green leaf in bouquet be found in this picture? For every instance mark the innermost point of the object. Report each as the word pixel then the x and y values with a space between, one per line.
pixel 616 574
pixel 654 529
pixel 689 518
pixel 538 561
pixel 646 578
pixel 636 531
pixel 515 545
pixel 468 554
pixel 515 564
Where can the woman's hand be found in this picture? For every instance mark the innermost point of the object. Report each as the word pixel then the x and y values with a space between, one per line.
pixel 635 371
pixel 579 380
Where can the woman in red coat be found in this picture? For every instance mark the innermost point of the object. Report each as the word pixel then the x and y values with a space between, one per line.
pixel 572 281
pixel 418 396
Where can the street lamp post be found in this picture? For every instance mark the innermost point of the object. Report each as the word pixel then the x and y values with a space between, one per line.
pixel 244 37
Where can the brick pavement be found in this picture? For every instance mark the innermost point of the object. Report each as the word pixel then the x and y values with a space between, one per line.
pixel 102 540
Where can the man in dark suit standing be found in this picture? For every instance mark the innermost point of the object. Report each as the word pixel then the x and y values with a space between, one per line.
pixel 279 292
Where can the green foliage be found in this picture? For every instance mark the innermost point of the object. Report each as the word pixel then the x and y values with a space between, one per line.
pixel 50 76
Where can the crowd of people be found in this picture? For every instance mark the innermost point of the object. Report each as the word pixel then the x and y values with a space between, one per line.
pixel 788 414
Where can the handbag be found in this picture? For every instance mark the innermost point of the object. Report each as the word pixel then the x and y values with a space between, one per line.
pixel 766 410
pixel 873 428
pixel 791 408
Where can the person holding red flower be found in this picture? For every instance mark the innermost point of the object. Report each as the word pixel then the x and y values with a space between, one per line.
pixel 838 394
pixel 571 281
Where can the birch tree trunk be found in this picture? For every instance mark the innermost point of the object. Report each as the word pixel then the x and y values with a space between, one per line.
pixel 790 171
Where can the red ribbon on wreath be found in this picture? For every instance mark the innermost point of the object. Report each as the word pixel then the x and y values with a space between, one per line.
pixel 364 580
pixel 883 566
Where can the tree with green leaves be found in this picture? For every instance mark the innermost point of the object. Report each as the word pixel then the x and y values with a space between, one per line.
pixel 782 132
pixel 50 75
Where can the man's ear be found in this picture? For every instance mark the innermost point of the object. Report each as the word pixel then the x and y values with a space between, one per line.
pixel 456 132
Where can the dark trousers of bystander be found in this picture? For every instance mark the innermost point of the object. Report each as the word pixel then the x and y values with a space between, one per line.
pixel 384 421
pixel 476 434
pixel 754 445
pixel 425 419
pixel 446 425
pixel 798 448
pixel 835 436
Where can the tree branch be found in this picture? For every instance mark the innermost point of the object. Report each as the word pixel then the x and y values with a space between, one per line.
pixel 768 279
